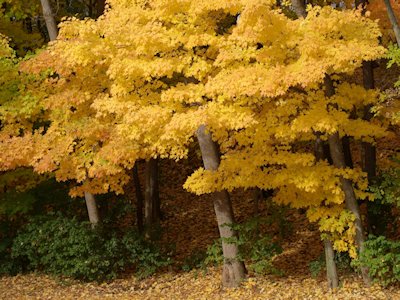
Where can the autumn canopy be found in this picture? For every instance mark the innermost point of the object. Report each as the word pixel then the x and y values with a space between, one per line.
pixel 270 98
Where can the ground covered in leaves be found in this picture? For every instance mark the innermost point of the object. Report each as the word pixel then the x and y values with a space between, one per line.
pixel 189 286
pixel 189 225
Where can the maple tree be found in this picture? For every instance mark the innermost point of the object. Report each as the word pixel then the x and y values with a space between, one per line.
pixel 240 74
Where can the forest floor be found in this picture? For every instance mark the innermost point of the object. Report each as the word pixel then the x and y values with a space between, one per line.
pixel 189 224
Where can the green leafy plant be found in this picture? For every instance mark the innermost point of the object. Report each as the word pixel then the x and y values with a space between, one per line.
pixel 67 247
pixel 317 266
pixel 382 258
pixel 342 261
pixel 386 196
pixel 214 254
pixel 196 260
pixel 255 247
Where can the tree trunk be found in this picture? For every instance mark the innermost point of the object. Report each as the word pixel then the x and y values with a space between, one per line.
pixel 331 272
pixel 368 150
pixel 100 6
pixel 299 8
pixel 151 200
pixel 233 269
pixel 49 19
pixel 92 209
pixel 347 152
pixel 393 21
pixel 139 199
pixel 336 150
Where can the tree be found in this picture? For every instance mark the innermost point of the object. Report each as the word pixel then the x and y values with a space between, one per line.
pixel 250 75
pixel 393 20
pixel 48 15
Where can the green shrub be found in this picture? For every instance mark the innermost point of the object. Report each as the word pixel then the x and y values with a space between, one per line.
pixel 317 266
pixel 255 248
pixel 66 247
pixel 342 261
pixel 196 260
pixel 144 255
pixel 214 256
pixel 8 266
pixel 382 258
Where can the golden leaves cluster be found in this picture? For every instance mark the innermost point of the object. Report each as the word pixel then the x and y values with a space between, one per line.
pixel 137 83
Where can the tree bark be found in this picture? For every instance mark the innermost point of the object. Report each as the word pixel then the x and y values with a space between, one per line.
pixel 336 150
pixel 151 200
pixel 93 212
pixel 139 199
pixel 100 6
pixel 368 152
pixel 393 21
pixel 331 271
pixel 48 15
pixel 233 269
pixel 347 151
pixel 299 8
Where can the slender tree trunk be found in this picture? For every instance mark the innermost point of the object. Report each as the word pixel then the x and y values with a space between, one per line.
pixel 336 150
pixel 257 195
pixel 233 269
pixel 368 150
pixel 49 19
pixel 299 8
pixel 393 21
pixel 139 199
pixel 100 6
pixel 331 271
pixel 52 29
pixel 92 209
pixel 151 200
pixel 347 151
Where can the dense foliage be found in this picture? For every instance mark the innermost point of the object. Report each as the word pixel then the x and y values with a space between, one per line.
pixel 63 246
pixel 271 84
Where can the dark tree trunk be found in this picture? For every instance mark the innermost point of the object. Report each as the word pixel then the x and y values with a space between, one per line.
pixel 49 19
pixel 28 25
pixel 347 151
pixel 368 152
pixel 151 199
pixel 100 6
pixel 336 150
pixel 139 199
pixel 233 269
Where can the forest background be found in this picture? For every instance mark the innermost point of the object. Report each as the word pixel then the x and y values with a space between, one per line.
pixel 284 111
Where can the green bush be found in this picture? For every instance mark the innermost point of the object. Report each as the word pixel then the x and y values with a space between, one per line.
pixel 196 260
pixel 8 266
pixel 382 258
pixel 255 248
pixel 66 247
pixel 342 261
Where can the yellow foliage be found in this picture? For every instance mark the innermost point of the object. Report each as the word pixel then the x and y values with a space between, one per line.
pixel 137 82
